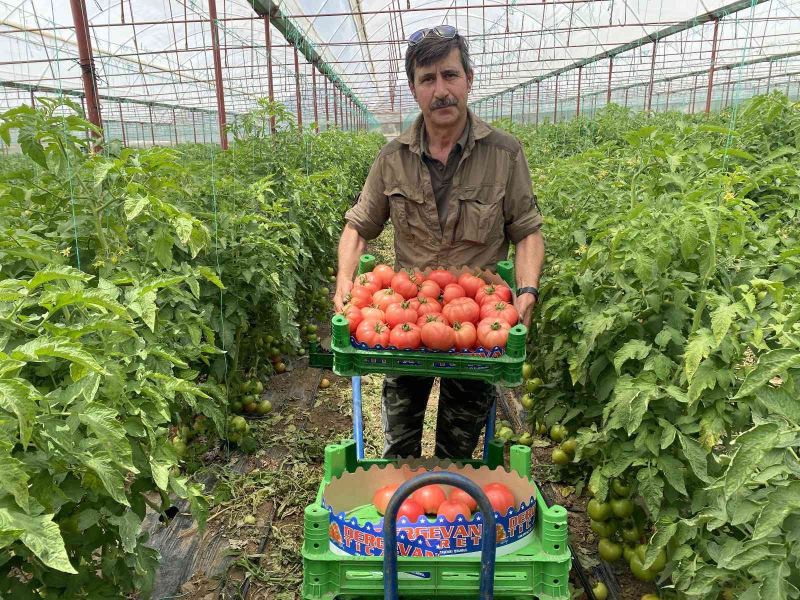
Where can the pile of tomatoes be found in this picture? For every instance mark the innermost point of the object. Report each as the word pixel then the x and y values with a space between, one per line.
pixel 441 311
pixel 432 500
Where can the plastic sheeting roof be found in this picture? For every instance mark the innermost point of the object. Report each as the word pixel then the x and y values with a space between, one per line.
pixel 159 51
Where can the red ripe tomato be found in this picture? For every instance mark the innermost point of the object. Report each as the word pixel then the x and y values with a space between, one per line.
pixel 360 296
pixel 492 332
pixel 353 315
pixel 438 336
pixel 493 293
pixel 426 305
pixel 499 500
pixel 500 310
pixel 373 333
pixel 381 498
pixel 465 335
pixel 460 496
pixel 415 276
pixel 373 312
pixel 411 510
pixel 384 273
pixel 430 497
pixel 405 336
pixel 430 288
pixel 432 318
pixel 450 511
pixel 462 309
pixel 384 298
pixel 503 492
pixel 369 280
pixel 404 286
pixel 470 283
pixel 442 277
pixel 451 292
pixel 401 312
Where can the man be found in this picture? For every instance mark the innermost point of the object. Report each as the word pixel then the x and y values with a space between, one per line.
pixel 457 192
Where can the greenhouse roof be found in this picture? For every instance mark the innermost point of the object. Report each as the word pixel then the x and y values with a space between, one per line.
pixel 158 55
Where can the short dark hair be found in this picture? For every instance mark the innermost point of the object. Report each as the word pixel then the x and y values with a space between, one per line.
pixel 432 49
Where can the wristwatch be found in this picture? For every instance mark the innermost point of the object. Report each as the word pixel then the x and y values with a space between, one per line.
pixel 529 290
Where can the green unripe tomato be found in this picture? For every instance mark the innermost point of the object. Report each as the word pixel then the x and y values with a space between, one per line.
pixel 651 597
pixel 236 406
pixel 622 507
pixel 238 423
pixel 525 439
pixel 600 591
pixel 180 447
pixel 620 489
pixel 264 407
pixel 527 402
pixel 570 445
pixel 599 511
pixel 603 529
pixel 628 552
pixel 532 385
pixel 259 387
pixel 559 457
pixel 527 371
pixel 608 550
pixel 638 570
pixel 558 433
pixel 631 535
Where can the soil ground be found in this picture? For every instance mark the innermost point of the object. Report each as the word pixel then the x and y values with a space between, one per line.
pixel 256 514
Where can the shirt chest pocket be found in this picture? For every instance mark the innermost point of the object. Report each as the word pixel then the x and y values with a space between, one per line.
pixel 406 211
pixel 480 214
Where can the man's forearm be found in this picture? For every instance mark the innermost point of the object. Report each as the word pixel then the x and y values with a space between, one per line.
pixel 528 260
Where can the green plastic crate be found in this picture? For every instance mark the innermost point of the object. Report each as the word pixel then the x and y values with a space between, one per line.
pixel 540 570
pixel 505 369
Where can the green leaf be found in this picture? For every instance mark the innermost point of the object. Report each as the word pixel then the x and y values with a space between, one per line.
pixel 101 170
pixel 162 247
pixel 705 378
pixel 781 502
pixel 697 349
pixel 660 539
pixel 736 555
pixel 46 347
pixel 210 276
pixel 651 489
pixel 780 401
pixel 19 397
pixel 109 474
pixel 633 349
pixel 629 404
pixel 777 585
pixel 673 471
pixel 752 445
pixel 134 205
pixel 14 479
pixel 687 234
pixel 128 527
pixel 696 456
pixel 102 422
pixel 721 320
pixel 769 364
pixel 57 272
pixel 40 534
pixel 145 307
pixel 183 227
pixel 668 433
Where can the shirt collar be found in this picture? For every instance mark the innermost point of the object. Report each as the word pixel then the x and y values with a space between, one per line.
pixel 461 142
pixel 478 129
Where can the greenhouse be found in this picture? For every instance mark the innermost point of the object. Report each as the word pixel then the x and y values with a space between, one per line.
pixel 299 299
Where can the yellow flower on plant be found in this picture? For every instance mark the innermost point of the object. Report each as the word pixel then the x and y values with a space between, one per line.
pixel 66 251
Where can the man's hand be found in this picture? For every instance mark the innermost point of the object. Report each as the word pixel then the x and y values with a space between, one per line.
pixel 524 305
pixel 342 291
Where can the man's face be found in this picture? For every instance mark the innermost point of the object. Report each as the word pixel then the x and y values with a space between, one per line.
pixel 441 90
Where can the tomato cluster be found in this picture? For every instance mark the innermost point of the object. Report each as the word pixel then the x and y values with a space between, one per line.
pixel 432 500
pixel 442 311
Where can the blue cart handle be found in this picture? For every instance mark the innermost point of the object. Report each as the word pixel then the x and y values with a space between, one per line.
pixel 488 543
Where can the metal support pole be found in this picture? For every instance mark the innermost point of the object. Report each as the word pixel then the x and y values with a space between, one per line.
pixel 626 96
pixel 314 92
pixel 268 36
pixel 713 65
pixel 297 89
pixel 335 109
pixel 652 74
pixel 86 61
pixel 578 107
pixel 341 109
pixel 610 70
pixel 694 94
pixel 33 100
pixel 669 90
pixel 327 112
pixel 769 77
pixel 512 106
pixel 122 124
pixel 555 103
pixel 152 126
pixel 194 126
pixel 175 126
pixel 212 13
pixel 728 89
pixel 538 88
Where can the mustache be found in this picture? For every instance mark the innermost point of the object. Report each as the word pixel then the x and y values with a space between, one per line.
pixel 444 103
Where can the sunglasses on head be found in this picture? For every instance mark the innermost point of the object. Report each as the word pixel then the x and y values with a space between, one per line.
pixel 444 31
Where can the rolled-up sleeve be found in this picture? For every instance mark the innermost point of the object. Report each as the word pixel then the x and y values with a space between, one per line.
pixel 371 210
pixel 522 216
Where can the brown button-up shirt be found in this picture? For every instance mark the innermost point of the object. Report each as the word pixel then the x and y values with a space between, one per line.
pixel 490 204
pixel 442 174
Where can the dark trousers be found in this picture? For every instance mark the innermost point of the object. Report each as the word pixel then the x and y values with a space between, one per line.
pixel 463 407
